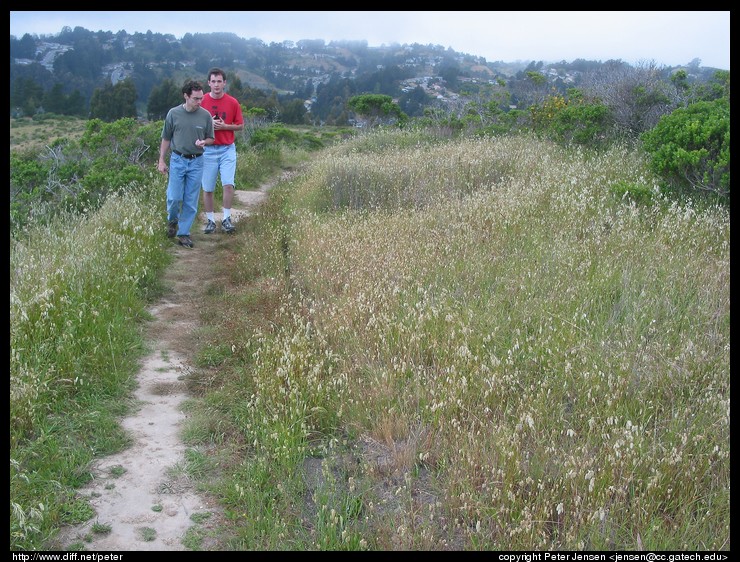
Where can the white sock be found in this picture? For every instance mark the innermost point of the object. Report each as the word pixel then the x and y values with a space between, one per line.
pixel 211 217
pixel 227 213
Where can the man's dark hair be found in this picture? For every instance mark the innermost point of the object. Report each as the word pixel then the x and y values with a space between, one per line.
pixel 217 71
pixel 191 85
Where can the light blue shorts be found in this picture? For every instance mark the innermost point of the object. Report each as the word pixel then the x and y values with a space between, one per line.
pixel 218 159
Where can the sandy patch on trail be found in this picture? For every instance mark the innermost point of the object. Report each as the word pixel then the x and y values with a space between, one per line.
pixel 147 504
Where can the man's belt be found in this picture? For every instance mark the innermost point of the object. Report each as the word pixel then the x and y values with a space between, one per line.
pixel 189 156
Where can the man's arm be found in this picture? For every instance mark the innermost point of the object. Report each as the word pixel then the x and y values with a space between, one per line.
pixel 164 146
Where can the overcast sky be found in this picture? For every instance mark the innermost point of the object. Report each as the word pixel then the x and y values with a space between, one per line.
pixel 668 38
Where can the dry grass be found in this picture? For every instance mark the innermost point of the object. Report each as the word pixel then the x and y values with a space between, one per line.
pixel 517 359
pixel 34 134
pixel 484 346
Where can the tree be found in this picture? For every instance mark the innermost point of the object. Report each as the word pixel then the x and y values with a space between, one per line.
pixel 449 71
pixel 531 88
pixel 26 94
pixel 55 101
pixel 162 98
pixel 76 104
pixel 331 99
pixel 294 113
pixel 114 102
pixel 25 48
pixel 717 87
pixel 486 105
pixel 637 97
pixel 413 103
pixel 235 87
pixel 85 61
pixel 125 98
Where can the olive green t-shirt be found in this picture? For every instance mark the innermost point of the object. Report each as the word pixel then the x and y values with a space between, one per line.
pixel 182 128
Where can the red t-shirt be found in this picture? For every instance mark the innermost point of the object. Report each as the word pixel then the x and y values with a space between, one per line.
pixel 228 109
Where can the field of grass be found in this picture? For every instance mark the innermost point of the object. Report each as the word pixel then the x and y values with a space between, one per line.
pixel 482 345
pixel 34 134
pixel 423 345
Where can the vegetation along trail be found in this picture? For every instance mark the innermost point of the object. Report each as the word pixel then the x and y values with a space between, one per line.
pixel 143 496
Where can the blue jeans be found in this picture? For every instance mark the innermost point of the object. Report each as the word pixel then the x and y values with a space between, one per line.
pixel 183 189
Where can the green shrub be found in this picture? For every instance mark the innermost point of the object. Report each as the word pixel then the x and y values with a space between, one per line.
pixel 79 175
pixel 637 193
pixel 586 125
pixel 26 172
pixel 278 133
pixel 691 146
pixel 572 120
pixel 272 134
pixel 28 186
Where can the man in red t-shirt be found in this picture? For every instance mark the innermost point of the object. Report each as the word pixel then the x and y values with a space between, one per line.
pixel 220 158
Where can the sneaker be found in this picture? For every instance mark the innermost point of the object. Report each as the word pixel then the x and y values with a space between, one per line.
pixel 226 225
pixel 171 229
pixel 210 227
pixel 185 241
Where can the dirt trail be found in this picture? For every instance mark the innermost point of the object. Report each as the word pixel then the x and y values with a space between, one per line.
pixel 139 493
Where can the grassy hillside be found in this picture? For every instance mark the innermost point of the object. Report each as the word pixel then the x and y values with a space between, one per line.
pixel 34 134
pixel 488 347
pixel 479 344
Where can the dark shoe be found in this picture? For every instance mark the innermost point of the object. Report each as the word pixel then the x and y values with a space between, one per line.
pixel 185 241
pixel 226 225
pixel 210 227
pixel 171 229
